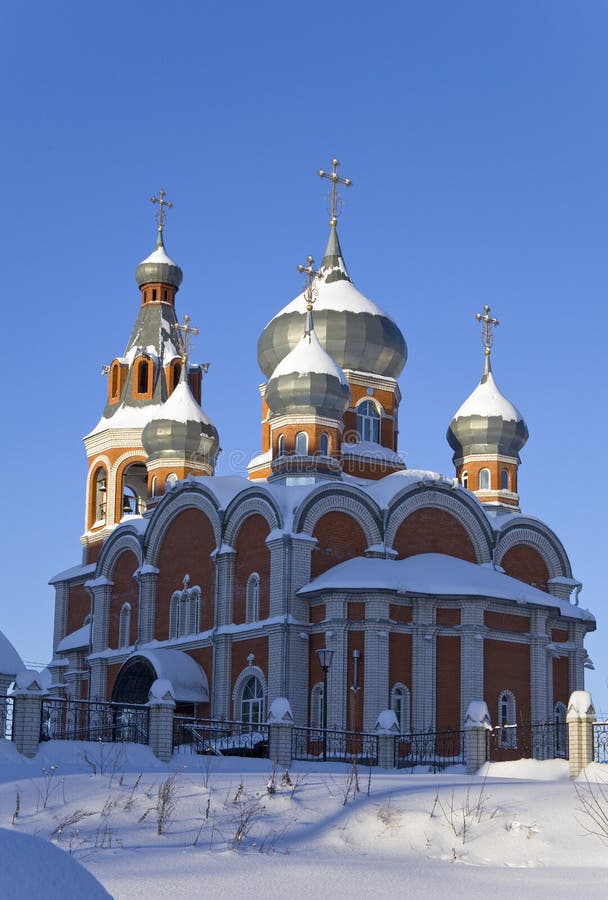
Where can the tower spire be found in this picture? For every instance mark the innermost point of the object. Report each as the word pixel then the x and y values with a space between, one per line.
pixel 161 213
pixel 334 198
pixel 487 337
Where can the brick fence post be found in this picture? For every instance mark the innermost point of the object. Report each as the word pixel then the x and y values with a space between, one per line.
pixel 387 729
pixel 580 719
pixel 280 732
pixel 477 726
pixel 27 712
pixel 161 704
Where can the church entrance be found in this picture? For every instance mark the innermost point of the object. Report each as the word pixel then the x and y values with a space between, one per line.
pixel 134 681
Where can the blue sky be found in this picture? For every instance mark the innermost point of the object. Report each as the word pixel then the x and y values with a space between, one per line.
pixel 476 136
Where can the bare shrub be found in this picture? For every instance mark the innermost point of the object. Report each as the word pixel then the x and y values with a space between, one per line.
pixel 247 812
pixel 460 817
pixel 50 785
pixel 106 759
pixel 166 803
pixel 69 820
pixel 17 809
pixel 592 799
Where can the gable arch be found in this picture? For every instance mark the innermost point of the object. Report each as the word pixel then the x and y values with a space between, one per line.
pixel 246 504
pixel 172 504
pixel 450 501
pixel 120 541
pixel 334 498
pixel 539 538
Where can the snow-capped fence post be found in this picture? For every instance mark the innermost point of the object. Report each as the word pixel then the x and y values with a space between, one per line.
pixel 161 704
pixel 280 732
pixel 477 725
pixel 580 719
pixel 387 729
pixel 27 712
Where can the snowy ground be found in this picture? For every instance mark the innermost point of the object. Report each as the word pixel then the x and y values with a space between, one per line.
pixel 228 829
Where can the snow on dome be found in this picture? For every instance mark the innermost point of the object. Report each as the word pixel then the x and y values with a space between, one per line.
pixel 486 400
pixel 159 255
pixel 307 357
pixel 10 661
pixel 181 406
pixel 341 296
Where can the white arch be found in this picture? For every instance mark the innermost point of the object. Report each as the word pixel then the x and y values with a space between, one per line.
pixel 169 508
pixel 239 686
pixel 334 498
pixel 246 504
pixel 119 541
pixel 540 539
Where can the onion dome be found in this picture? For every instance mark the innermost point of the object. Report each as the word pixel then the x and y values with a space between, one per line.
pixel 355 332
pixel 308 380
pixel 181 429
pixel 159 268
pixel 487 422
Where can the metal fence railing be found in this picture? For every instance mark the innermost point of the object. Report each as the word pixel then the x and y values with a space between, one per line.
pixel 332 744
pixel 435 750
pixel 600 742
pixel 6 717
pixel 542 740
pixel 86 720
pixel 220 737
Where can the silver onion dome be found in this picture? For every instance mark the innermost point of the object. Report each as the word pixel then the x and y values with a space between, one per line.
pixel 355 332
pixel 487 422
pixel 181 429
pixel 159 268
pixel 307 380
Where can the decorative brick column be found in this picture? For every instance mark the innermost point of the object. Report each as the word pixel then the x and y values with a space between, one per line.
pixel 225 559
pixel 100 590
pixel 424 668
pixel 221 687
pixel 580 719
pixel 472 631
pixel 161 704
pixel 27 713
pixel 147 577
pixel 280 732
pixel 477 724
pixel 61 609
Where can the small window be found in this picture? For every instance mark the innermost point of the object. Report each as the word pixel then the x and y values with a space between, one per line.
pixel 153 295
pixel 281 445
pixel 171 480
pixel 316 706
pixel 124 626
pixel 483 480
pixel 252 702
pixel 504 480
pixel 465 479
pixel 301 443
pixel 177 371
pixel 101 487
pixel 368 422
pixel 507 730
pixel 154 486
pixel 324 446
pixel 252 600
pixel 114 381
pixel 185 612
pixel 143 376
pixel 400 704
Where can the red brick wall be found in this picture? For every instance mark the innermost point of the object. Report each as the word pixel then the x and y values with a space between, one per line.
pixel 400 613
pixel 433 530
pixel 317 613
pixel 113 670
pixel 447 616
pixel 561 680
pixel 339 538
pixel 559 636
pixel 356 611
pixel 505 622
pixel 79 607
pixel 204 657
pixel 507 667
pixel 448 683
pixel 399 661
pixel 186 549
pixel 526 564
pixel 125 590
pixel 252 555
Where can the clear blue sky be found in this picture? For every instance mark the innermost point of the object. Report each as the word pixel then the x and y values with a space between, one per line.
pixel 476 136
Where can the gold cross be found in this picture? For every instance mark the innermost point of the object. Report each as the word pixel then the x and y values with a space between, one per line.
pixel 183 333
pixel 161 215
pixel 310 294
pixel 335 181
pixel 487 338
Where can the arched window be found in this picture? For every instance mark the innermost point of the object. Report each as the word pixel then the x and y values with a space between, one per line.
pixel 177 371
pixel 170 480
pixel 324 445
pixel 124 626
pixel 465 479
pixel 400 705
pixel 142 376
pixel 301 443
pixel 252 701
pixel 368 422
pixel 507 733
pixel 483 480
pixel 154 486
pixel 561 729
pixel 281 445
pixel 252 598
pixel 114 381
pixel 316 706
pixel 101 487
pixel 504 480
pixel 130 502
pixel 185 612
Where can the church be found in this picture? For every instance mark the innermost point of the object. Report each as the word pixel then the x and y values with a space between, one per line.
pixel 430 590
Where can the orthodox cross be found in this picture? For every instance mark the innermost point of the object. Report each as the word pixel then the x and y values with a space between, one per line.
pixel 487 337
pixel 183 333
pixel 310 294
pixel 161 215
pixel 335 181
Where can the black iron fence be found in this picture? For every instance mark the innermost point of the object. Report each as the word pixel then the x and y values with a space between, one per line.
pixel 544 740
pixel 86 720
pixel 6 717
pixel 219 737
pixel 432 750
pixel 600 742
pixel 331 744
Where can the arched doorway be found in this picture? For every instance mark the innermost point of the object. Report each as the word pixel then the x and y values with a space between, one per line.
pixel 134 681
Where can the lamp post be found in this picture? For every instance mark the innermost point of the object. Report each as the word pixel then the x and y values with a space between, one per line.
pixel 325 657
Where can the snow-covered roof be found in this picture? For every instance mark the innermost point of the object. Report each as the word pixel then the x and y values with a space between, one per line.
pixel 371 450
pixel 487 401
pixel 75 640
pixel 180 406
pixel 437 575
pixel 74 572
pixel 186 676
pixel 10 661
pixel 159 256
pixel 308 356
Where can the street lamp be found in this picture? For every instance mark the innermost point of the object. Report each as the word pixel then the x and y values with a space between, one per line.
pixel 325 657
